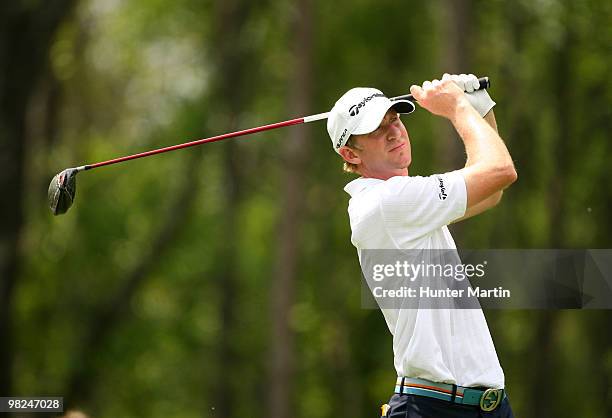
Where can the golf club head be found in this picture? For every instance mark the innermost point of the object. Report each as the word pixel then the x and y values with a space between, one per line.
pixel 62 191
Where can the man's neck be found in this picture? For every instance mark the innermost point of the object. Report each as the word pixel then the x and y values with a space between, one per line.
pixel 386 175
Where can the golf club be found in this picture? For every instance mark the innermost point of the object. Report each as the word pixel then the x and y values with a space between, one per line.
pixel 62 189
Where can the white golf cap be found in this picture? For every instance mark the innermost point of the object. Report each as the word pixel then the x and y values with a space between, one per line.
pixel 359 111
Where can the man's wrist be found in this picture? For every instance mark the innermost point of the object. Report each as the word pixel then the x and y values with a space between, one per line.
pixel 461 111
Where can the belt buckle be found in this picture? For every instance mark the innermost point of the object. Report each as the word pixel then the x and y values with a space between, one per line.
pixel 490 399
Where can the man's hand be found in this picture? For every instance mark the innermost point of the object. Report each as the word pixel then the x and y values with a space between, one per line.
pixel 466 82
pixel 479 99
pixel 433 95
pixel 440 97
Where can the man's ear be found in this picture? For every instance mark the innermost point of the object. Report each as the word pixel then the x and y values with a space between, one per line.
pixel 349 155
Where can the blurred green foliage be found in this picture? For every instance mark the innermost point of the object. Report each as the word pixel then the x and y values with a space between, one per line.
pixel 136 75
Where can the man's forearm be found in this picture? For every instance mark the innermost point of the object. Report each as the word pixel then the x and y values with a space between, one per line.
pixel 482 143
pixel 482 206
pixel 489 167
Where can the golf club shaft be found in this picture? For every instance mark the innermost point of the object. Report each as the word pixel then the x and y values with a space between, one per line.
pixel 194 143
pixel 484 83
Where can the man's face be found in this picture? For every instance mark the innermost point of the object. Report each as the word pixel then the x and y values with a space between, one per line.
pixel 384 153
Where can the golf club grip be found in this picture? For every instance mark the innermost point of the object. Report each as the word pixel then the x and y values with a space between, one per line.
pixel 483 82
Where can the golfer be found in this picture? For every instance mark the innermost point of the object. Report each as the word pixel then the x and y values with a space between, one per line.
pixel 445 358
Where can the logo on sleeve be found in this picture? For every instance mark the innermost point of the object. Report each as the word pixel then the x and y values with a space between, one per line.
pixel 442 195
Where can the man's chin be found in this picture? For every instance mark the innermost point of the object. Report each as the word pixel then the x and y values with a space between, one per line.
pixel 404 164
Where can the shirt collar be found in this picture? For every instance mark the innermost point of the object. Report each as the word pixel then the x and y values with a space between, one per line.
pixel 358 185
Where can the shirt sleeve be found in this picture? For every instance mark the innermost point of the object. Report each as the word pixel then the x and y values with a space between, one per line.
pixel 415 206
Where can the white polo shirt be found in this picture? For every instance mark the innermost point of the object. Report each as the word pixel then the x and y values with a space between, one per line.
pixel 441 345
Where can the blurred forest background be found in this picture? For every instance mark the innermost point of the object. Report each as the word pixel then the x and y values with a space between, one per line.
pixel 220 281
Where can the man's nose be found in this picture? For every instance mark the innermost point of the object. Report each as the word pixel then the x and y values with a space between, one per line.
pixel 393 133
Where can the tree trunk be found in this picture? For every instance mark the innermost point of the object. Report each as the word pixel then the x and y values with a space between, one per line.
pixel 233 62
pixel 455 58
pixel 227 356
pixel 545 360
pixel 295 153
pixel 25 38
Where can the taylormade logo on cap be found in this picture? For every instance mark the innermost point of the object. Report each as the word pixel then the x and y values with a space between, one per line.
pixel 354 110
pixel 360 111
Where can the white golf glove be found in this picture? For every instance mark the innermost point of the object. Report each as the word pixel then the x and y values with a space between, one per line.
pixel 479 99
